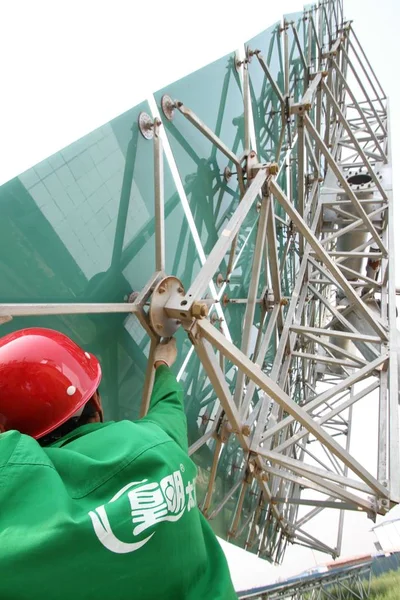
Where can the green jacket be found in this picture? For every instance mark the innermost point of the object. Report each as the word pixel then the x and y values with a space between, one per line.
pixel 109 511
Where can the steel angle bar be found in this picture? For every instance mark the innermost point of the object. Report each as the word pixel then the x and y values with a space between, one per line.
pixel 329 394
pixel 311 154
pixel 296 479
pixel 368 280
pixel 340 318
pixel 217 254
pixel 217 378
pixel 273 254
pixel 148 380
pixel 344 143
pixel 362 87
pixel 297 302
pixel 300 49
pixel 346 186
pixel 238 510
pixel 300 173
pixel 252 294
pixel 345 472
pixel 203 439
pixel 361 112
pixel 270 78
pixel 378 98
pixel 367 61
pixel 333 333
pixel 332 413
pixel 324 479
pixel 213 471
pixel 311 515
pixel 353 138
pixel 393 405
pixel 24 310
pixel 207 132
pixel 317 42
pixel 286 57
pixel 307 99
pixel 318 544
pixel 247 108
pixel 326 359
pixel 159 197
pixel 325 258
pixel 285 402
pixel 271 327
pixel 225 499
pixel 335 348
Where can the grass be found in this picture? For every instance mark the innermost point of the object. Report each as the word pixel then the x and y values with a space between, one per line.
pixel 386 587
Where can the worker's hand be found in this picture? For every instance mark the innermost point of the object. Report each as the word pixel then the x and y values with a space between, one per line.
pixel 165 353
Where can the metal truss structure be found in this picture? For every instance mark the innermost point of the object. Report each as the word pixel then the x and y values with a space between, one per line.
pixel 339 584
pixel 309 245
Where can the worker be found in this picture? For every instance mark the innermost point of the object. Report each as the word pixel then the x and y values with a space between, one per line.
pixel 91 509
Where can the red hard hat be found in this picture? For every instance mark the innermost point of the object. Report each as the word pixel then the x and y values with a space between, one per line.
pixel 44 379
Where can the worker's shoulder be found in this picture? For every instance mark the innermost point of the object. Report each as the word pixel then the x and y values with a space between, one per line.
pixel 118 441
pixel 19 449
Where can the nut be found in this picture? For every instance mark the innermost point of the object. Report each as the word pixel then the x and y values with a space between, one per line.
pixel 246 430
pixel 199 309
pixel 273 169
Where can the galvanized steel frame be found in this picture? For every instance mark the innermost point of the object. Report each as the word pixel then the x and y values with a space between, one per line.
pixel 334 129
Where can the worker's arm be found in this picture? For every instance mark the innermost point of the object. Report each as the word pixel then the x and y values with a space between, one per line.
pixel 166 405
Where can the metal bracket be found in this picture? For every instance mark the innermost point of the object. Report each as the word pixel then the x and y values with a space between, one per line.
pixel 167 288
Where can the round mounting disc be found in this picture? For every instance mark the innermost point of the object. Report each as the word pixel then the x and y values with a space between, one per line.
pixel 167 288
pixel 168 107
pixel 145 123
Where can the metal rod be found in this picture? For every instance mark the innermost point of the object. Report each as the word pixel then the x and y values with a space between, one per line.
pixel 324 257
pixel 252 294
pixel 159 197
pixel 272 389
pixel 335 168
pixel 217 254
pixel 209 134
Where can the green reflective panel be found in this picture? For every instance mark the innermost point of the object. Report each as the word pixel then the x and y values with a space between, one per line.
pixel 310 41
pixel 214 95
pixel 229 473
pixel 80 228
pixel 201 405
pixel 265 103
pixel 295 48
pixel 247 511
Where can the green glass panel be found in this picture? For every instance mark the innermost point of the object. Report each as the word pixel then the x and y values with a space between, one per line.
pixel 214 95
pixel 296 67
pixel 265 103
pixel 80 228
pixel 229 472
pixel 250 502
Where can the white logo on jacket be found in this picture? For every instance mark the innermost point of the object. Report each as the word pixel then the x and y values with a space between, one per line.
pixel 150 504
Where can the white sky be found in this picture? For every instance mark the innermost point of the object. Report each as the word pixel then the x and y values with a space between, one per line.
pixel 69 66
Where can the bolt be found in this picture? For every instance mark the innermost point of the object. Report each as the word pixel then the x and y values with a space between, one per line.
pixel 199 309
pixel 246 430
